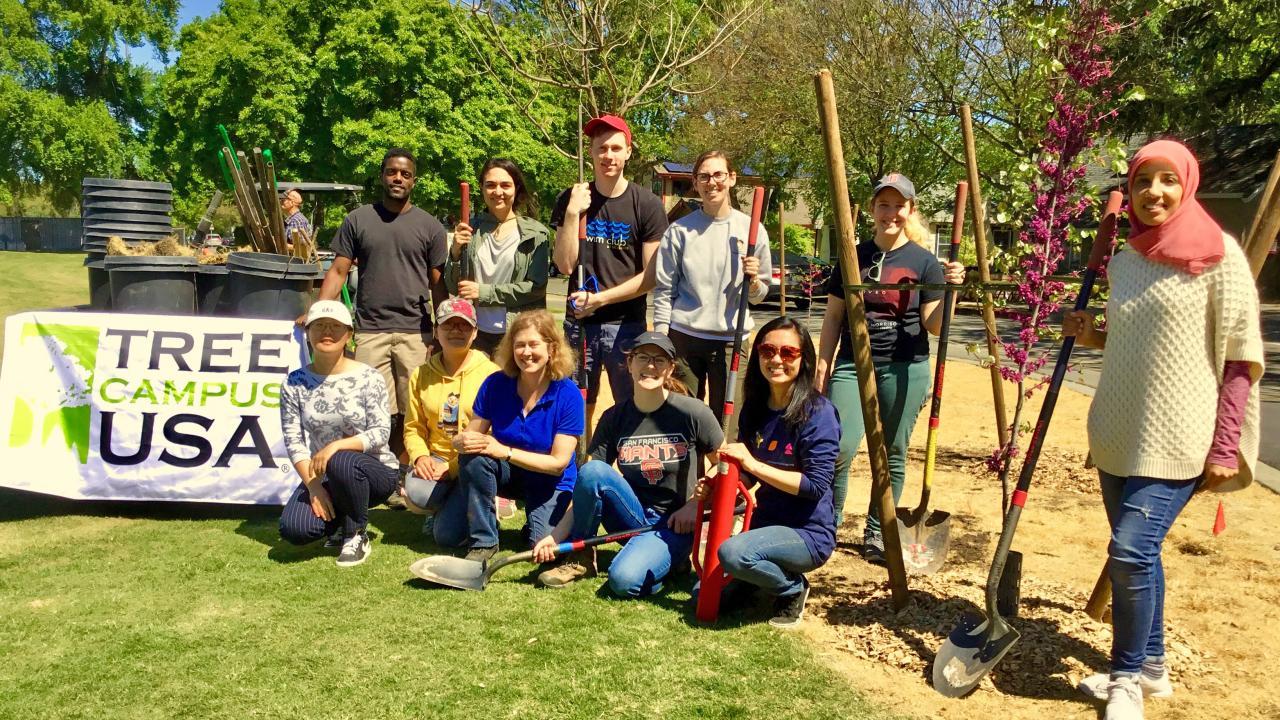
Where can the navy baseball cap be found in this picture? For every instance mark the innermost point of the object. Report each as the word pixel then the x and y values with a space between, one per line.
pixel 898 182
pixel 657 339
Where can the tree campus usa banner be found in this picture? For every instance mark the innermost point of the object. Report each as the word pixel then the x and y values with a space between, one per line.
pixel 146 407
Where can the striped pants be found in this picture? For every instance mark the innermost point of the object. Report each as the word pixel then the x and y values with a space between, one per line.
pixel 355 482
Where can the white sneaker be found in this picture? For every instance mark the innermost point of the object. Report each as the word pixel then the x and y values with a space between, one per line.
pixel 1095 686
pixel 1124 699
pixel 354 551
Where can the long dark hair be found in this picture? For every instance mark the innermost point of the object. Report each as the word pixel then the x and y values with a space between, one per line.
pixel 755 392
pixel 524 202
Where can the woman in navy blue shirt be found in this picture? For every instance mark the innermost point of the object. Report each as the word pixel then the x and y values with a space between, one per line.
pixel 523 434
pixel 790 437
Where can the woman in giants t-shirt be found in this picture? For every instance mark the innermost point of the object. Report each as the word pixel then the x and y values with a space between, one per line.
pixel 657 438
pixel 897 321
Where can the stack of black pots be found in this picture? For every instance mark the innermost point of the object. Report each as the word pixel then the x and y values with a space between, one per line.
pixel 133 210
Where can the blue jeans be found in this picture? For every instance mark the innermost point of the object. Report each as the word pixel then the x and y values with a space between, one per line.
pixel 1140 511
pixel 901 388
pixel 603 495
pixel 475 524
pixel 449 503
pixel 774 558
pixel 607 343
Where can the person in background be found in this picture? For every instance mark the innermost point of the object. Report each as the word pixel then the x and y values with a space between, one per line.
pixel 658 439
pixel 441 395
pixel 624 224
pixel 1177 403
pixel 700 275
pixel 336 425
pixel 401 251
pixel 291 209
pixel 523 434
pixel 899 322
pixel 788 439
pixel 501 263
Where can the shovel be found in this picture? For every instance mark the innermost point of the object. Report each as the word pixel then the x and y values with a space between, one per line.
pixel 465 574
pixel 979 642
pixel 925 535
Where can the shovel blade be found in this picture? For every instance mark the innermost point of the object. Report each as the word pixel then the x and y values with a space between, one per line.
pixel 924 540
pixel 972 649
pixel 451 572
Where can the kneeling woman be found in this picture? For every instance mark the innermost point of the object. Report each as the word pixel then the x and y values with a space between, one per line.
pixel 790 438
pixel 337 420
pixel 658 438
pixel 524 430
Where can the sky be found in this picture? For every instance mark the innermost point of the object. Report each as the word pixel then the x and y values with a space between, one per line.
pixel 188 10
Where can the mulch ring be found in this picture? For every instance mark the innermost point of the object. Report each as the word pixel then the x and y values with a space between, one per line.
pixel 1059 644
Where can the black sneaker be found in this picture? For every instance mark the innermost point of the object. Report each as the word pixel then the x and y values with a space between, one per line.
pixel 738 596
pixel 355 550
pixel 482 554
pixel 788 610
pixel 873 547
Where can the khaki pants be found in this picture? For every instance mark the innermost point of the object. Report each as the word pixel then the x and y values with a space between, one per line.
pixel 396 355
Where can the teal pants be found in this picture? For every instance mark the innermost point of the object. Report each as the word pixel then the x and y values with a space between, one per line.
pixel 902 388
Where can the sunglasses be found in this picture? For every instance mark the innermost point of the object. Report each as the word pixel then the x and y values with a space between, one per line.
pixel 769 351
pixel 877 265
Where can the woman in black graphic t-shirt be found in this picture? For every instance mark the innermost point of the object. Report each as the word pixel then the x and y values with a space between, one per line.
pixel 897 321
pixel 657 438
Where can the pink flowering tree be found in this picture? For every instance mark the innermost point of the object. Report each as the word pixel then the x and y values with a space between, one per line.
pixel 1083 99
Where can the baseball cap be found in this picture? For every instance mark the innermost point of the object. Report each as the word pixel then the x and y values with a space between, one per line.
pixel 331 309
pixel 607 122
pixel 898 182
pixel 456 307
pixel 657 339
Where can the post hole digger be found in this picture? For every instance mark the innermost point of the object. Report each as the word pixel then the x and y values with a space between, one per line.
pixel 727 486
pixel 979 641
pixel 925 535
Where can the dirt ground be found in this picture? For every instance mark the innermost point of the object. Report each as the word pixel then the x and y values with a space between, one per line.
pixel 1222 603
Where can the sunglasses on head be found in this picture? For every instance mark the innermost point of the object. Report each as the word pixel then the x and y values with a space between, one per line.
pixel 769 351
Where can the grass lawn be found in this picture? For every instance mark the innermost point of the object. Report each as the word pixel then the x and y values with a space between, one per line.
pixel 152 610
pixel 37 281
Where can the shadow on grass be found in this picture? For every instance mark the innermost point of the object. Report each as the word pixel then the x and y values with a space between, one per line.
pixel 23 505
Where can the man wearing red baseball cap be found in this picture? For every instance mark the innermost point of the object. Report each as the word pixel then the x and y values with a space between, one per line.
pixel 624 224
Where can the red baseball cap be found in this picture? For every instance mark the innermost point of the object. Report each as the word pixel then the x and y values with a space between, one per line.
pixel 607 122
pixel 456 307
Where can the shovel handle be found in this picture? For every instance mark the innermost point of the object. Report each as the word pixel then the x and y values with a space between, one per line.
pixel 1100 598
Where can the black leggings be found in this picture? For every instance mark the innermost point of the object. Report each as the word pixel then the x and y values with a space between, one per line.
pixel 356 482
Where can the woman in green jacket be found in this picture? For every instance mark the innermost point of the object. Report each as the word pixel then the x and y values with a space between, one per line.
pixel 504 271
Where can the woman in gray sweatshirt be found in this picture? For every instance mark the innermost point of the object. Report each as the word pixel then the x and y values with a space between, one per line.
pixel 700 276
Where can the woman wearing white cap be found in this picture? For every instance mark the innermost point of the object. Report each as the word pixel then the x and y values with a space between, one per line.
pixel 337 420
pixel 897 321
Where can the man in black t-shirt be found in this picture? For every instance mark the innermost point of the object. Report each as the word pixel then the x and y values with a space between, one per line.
pixel 400 250
pixel 624 224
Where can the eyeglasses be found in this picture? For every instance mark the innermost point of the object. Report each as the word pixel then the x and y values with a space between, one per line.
pixel 718 176
pixel 877 265
pixel 768 351
pixel 658 361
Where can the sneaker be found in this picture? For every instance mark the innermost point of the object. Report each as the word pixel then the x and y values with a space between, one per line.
pixel 355 550
pixel 482 554
pixel 506 508
pixel 1124 699
pixel 1096 686
pixel 570 568
pixel 788 610
pixel 873 547
pixel 333 541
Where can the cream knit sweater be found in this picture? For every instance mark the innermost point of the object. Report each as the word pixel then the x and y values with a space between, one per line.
pixel 1169 335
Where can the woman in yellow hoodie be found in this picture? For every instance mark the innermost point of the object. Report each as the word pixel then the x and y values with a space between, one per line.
pixel 441 392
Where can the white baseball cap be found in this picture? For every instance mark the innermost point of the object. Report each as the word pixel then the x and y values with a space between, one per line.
pixel 331 309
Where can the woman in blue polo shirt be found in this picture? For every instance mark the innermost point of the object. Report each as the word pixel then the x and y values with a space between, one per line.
pixel 789 439
pixel 523 434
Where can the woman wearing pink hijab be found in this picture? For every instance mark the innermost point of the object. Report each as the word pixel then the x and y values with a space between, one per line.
pixel 1177 402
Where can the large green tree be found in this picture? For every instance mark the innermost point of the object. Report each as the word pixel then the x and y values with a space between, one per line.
pixel 72 103
pixel 329 86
